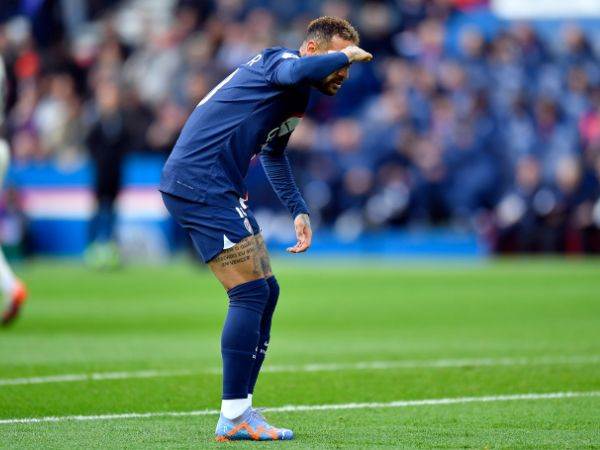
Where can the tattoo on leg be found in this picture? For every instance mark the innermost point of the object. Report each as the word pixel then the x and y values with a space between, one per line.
pixel 237 254
pixel 257 266
pixel 265 262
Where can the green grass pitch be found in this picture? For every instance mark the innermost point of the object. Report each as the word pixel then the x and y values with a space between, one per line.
pixel 369 332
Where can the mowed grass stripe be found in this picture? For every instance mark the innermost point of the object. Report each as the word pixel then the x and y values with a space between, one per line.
pixel 315 367
pixel 169 318
pixel 305 408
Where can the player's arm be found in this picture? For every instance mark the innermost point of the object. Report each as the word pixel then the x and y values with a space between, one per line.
pixel 310 69
pixel 279 172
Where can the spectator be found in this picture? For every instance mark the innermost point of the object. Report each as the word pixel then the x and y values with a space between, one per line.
pixel 507 124
pixel 108 140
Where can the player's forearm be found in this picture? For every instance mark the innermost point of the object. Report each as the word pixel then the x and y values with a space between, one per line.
pixel 310 69
pixel 279 173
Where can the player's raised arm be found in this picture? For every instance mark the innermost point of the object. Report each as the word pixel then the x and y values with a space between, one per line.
pixel 312 69
pixel 330 47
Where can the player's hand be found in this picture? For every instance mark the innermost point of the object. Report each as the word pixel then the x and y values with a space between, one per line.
pixel 357 54
pixel 303 234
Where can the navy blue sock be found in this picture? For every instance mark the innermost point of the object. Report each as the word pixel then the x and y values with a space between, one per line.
pixel 240 336
pixel 265 331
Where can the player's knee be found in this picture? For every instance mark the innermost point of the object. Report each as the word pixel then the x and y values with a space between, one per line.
pixel 273 291
pixel 267 317
pixel 253 295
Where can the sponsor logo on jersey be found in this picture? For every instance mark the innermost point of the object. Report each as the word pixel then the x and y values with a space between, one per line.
pixel 284 129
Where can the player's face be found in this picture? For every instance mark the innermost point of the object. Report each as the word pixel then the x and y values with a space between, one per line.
pixel 331 84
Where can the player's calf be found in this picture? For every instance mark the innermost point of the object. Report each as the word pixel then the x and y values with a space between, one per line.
pixel 240 337
pixel 265 331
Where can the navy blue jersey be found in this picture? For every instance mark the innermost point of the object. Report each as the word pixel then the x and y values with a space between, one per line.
pixel 255 108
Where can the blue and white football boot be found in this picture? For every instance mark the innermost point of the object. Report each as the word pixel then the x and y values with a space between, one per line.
pixel 250 426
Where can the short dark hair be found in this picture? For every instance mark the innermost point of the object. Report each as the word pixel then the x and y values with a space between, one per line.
pixel 325 28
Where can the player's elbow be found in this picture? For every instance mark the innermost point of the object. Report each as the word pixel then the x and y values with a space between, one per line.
pixel 288 79
pixel 291 74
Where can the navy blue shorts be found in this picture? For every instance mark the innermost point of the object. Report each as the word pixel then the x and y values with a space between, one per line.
pixel 212 228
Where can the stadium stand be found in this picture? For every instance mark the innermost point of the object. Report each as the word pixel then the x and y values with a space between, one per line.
pixel 463 121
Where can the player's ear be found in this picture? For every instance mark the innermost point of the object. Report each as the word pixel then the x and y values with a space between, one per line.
pixel 311 47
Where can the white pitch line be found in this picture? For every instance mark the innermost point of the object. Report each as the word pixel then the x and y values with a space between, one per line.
pixel 436 363
pixel 303 408
pixel 332 367
pixel 95 376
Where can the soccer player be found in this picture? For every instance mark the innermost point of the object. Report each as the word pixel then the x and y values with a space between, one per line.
pixel 12 288
pixel 252 111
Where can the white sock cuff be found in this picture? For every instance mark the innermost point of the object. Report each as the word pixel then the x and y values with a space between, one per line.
pixel 234 408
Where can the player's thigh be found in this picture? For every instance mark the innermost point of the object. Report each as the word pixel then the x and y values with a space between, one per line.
pixel 224 236
pixel 263 255
pixel 238 264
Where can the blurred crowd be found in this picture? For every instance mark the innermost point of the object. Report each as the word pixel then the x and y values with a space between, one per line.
pixel 498 132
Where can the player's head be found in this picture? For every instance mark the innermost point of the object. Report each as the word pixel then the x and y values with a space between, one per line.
pixel 327 34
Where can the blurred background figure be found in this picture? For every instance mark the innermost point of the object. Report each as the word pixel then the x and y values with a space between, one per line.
pixel 13 289
pixel 470 123
pixel 107 141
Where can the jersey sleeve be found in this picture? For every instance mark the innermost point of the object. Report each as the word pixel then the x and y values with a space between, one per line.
pixel 279 172
pixel 285 68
